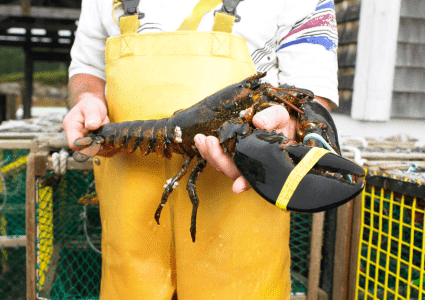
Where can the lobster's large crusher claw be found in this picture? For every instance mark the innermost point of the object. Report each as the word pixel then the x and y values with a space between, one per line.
pixel 266 163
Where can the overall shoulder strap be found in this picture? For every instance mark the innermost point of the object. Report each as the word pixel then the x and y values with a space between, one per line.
pixel 224 18
pixel 129 23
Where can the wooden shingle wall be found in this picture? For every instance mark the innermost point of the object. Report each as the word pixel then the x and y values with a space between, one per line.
pixel 347 15
pixel 409 75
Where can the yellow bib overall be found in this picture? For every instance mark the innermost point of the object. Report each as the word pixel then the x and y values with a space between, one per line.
pixel 242 241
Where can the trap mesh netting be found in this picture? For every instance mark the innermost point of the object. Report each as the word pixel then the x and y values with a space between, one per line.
pixel 68 237
pixel 69 232
pixel 12 223
pixel 391 258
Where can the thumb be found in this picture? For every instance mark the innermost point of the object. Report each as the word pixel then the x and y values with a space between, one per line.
pixel 274 117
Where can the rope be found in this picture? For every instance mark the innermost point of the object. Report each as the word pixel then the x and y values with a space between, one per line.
pixel 320 139
pixel 327 146
pixel 59 162
pixel 357 154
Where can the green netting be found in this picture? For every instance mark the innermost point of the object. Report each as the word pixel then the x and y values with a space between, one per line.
pixel 69 266
pixel 392 258
pixel 12 191
pixel 299 242
pixel 12 223
pixel 68 243
pixel 12 274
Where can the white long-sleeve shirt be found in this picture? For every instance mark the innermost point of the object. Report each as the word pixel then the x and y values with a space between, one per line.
pixel 294 41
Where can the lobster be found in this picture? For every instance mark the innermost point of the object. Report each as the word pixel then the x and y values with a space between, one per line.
pixel 265 159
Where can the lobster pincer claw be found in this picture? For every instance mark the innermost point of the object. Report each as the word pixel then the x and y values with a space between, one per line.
pixel 295 177
pixel 92 145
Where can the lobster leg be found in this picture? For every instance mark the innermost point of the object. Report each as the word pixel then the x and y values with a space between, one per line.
pixel 170 186
pixel 191 188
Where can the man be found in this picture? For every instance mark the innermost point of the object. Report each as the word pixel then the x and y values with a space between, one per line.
pixel 242 249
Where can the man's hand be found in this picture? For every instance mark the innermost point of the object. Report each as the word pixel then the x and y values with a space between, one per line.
pixel 275 117
pixel 88 114
pixel 89 111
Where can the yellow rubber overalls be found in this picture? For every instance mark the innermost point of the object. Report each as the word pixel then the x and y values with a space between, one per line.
pixel 242 241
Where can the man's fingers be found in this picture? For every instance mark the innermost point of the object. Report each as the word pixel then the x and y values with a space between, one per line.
pixel 73 124
pixel 89 114
pixel 210 149
pixel 276 118
pixel 220 159
pixel 240 185
pixel 200 142
pixel 94 112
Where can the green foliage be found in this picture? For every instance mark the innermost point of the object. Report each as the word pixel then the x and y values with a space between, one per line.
pixel 12 60
pixel 47 77
pixel 13 63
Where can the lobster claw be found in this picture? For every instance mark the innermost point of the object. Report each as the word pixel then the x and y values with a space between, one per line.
pixel 266 163
pixel 92 145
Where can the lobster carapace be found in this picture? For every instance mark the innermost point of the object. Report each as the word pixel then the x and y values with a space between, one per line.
pixel 265 159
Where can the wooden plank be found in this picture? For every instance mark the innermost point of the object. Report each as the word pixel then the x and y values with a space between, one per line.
pixel 413 9
pixel 53 140
pixel 347 33
pixel 20 135
pixel 393 164
pixel 315 256
pixel 28 73
pixel 71 164
pixel 342 251
pixel 411 55
pixel 9 242
pixel 40 164
pixel 408 105
pixel 347 56
pixel 388 155
pixel 298 297
pixel 344 107
pixel 41 12
pixel 26 7
pixel 11 106
pixel 15 144
pixel 322 295
pixel 31 228
pixel 354 246
pixel 411 31
pixel 409 79
pixel 347 10
pixel 346 78
pixel 376 54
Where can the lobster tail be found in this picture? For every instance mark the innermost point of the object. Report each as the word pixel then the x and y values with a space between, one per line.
pixel 151 135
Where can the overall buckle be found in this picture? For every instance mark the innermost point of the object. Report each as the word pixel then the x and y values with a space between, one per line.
pixel 130 8
pixel 229 8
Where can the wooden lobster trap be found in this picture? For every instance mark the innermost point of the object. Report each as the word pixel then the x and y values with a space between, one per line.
pixel 387 245
pixel 63 224
pixel 14 151
pixel 64 232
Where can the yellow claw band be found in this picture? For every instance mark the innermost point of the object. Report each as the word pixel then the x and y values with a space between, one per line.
pixel 297 174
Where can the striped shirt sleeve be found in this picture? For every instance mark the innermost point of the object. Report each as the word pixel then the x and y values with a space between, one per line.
pixel 307 52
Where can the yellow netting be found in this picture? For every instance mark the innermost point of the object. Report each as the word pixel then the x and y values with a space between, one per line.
pixel 392 246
